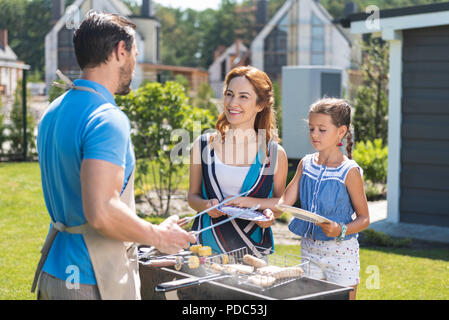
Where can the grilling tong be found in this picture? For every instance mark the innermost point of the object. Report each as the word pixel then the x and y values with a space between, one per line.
pixel 178 260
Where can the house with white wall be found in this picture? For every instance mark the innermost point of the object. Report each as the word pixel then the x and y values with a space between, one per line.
pixel 301 33
pixel 11 68
pixel 59 53
pixel 418 112
pixel 225 60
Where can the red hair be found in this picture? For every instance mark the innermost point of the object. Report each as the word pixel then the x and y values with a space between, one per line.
pixel 265 119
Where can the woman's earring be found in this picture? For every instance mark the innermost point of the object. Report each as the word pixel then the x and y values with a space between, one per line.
pixel 340 144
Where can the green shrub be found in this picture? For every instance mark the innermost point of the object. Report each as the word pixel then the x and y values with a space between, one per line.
pixel 54 92
pixel 155 219
pixel 290 176
pixel 284 218
pixel 160 115
pixel 372 237
pixel 375 191
pixel 15 128
pixel 2 127
pixel 373 158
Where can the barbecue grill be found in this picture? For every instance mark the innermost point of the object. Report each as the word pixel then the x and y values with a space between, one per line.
pixel 204 284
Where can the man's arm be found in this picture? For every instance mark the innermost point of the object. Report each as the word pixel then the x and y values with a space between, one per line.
pixel 101 184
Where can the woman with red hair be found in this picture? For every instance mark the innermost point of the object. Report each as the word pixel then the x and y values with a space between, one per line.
pixel 242 156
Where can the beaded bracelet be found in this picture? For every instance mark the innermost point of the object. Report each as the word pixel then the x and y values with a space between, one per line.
pixel 341 237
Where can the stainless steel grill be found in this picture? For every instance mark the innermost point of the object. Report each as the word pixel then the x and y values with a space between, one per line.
pixel 204 284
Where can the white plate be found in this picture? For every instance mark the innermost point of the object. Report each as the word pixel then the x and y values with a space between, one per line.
pixel 249 214
pixel 302 214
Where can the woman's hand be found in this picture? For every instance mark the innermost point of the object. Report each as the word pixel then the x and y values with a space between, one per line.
pixel 331 230
pixel 213 213
pixel 266 224
pixel 242 202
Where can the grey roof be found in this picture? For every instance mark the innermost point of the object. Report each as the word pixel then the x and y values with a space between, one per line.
pixel 397 12
pixel 6 54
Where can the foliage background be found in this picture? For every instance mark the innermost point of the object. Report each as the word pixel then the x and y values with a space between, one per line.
pixel 189 37
pixel 155 111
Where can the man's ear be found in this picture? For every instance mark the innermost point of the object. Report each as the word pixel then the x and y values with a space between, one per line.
pixel 120 52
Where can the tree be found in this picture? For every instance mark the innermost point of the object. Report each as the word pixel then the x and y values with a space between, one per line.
pixel 204 99
pixel 278 106
pixel 158 115
pixel 2 127
pixel 219 29
pixel 27 22
pixel 180 36
pixel 371 99
pixel 15 128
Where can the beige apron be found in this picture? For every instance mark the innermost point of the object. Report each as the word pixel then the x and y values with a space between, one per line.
pixel 114 262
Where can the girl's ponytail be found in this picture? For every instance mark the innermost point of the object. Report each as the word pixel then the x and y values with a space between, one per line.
pixel 349 143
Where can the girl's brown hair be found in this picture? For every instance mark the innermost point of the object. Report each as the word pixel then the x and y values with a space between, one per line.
pixel 265 119
pixel 340 112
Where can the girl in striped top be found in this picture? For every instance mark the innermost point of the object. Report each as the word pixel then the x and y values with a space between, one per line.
pixel 330 184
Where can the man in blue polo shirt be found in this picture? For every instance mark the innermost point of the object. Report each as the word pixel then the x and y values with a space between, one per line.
pixel 87 162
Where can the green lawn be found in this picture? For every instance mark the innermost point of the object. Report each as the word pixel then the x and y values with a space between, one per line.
pixel 402 273
pixel 24 224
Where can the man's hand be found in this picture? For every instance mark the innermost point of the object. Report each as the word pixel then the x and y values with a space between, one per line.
pixel 171 237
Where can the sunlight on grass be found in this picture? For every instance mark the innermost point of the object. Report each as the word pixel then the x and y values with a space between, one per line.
pixel 403 273
pixel 24 223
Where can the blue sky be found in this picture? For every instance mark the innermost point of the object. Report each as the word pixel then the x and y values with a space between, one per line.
pixel 193 4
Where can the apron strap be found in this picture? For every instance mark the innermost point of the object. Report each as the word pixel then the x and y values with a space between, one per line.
pixel 69 85
pixel 56 228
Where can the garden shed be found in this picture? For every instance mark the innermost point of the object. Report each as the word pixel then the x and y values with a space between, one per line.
pixel 418 113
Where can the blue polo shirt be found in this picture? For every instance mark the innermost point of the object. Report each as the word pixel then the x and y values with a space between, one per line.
pixel 78 125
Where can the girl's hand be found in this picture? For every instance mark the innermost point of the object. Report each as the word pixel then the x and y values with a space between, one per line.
pixel 213 213
pixel 266 224
pixel 242 202
pixel 331 230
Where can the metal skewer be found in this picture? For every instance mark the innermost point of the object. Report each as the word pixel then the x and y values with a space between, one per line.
pixel 226 220
pixel 185 221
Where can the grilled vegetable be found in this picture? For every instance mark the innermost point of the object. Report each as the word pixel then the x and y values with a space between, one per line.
pixel 253 261
pixel 205 251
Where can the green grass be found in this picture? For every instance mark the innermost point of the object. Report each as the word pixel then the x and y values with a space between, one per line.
pixel 403 273
pixel 24 224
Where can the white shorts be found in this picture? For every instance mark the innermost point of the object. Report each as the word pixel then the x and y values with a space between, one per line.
pixel 332 261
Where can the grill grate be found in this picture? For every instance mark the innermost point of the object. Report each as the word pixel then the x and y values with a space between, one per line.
pixel 279 269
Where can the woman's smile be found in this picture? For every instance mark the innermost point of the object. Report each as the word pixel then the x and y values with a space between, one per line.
pixel 234 112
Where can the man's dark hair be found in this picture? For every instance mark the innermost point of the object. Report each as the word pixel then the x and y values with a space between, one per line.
pixel 98 36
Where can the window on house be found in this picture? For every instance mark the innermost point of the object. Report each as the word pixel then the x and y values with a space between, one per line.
pixel 158 45
pixel 275 52
pixel 317 45
pixel 223 70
